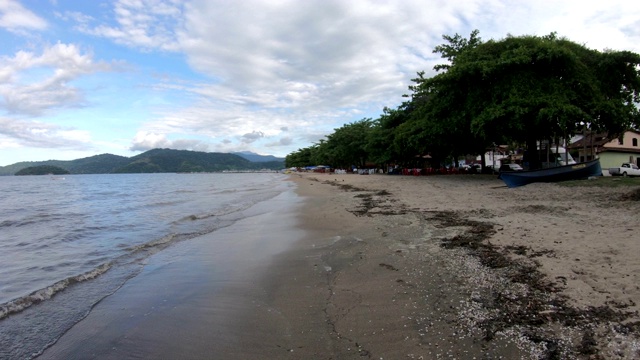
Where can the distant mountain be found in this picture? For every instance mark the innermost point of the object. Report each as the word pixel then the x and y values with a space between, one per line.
pixel 42 170
pixel 251 156
pixel 98 164
pixel 152 161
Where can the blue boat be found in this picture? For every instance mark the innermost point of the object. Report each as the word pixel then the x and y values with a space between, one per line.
pixel 554 174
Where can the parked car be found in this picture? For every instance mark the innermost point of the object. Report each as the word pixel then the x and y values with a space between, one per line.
pixel 476 168
pixel 510 167
pixel 626 169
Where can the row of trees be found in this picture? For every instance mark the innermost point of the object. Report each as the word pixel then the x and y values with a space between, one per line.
pixel 517 90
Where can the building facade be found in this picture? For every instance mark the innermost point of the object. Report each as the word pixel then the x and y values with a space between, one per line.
pixel 611 152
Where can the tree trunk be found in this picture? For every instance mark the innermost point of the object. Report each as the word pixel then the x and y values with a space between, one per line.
pixel 532 154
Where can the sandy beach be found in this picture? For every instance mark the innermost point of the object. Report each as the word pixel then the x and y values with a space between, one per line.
pixel 403 267
pixel 463 267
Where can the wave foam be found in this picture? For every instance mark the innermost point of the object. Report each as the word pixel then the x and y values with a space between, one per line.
pixel 19 304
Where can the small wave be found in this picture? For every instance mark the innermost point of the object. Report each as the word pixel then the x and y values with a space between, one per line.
pixel 190 218
pixel 185 191
pixel 17 223
pixel 18 305
pixel 34 219
pixel 226 191
pixel 6 223
pixel 164 203
pixel 153 244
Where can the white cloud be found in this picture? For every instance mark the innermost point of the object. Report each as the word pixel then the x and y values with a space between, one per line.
pixel 15 18
pixel 83 20
pixel 314 65
pixel 285 64
pixel 146 24
pixel 279 74
pixel 31 84
pixel 43 135
pixel 285 141
pixel 144 141
pixel 252 136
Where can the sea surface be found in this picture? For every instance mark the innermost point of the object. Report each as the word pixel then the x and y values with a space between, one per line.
pixel 67 242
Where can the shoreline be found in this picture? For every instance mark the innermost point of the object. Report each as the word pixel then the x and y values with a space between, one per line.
pixel 390 267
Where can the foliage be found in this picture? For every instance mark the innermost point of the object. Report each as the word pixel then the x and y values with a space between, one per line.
pixel 42 170
pixel 517 90
pixel 345 147
pixel 382 144
pixel 300 158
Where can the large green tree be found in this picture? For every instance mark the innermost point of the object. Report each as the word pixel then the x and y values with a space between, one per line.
pixel 523 89
pixel 348 144
pixel 381 142
pixel 518 90
pixel 301 158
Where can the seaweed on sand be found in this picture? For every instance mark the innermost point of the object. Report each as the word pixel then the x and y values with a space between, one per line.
pixel 633 195
pixel 539 305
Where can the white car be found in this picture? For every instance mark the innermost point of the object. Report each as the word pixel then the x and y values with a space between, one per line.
pixel 626 169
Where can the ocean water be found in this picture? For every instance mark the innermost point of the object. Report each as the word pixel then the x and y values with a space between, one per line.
pixel 67 242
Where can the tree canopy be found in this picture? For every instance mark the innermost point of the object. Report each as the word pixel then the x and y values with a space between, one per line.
pixel 515 90
pixel 42 170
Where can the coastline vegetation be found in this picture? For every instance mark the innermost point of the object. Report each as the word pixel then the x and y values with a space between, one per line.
pixel 42 170
pixel 514 91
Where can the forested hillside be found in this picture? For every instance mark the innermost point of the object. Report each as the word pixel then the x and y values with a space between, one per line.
pixel 42 170
pixel 152 161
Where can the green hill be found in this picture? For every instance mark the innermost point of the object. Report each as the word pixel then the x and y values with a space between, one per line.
pixel 152 161
pixel 42 170
pixel 167 160
pixel 98 164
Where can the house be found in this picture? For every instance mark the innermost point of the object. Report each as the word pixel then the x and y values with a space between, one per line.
pixel 611 152
pixel 494 156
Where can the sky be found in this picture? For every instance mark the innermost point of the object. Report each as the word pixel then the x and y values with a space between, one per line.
pixel 81 78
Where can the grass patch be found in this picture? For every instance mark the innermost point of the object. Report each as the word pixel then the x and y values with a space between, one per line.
pixel 604 181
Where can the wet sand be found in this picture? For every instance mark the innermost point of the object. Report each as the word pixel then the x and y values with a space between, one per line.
pixel 392 267
pixel 186 302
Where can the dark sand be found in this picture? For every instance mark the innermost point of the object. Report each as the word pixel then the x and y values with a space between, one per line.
pixel 389 267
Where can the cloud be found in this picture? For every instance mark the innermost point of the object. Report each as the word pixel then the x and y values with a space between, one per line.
pixel 291 54
pixel 293 69
pixel 146 24
pixel 144 141
pixel 33 84
pixel 281 65
pixel 252 136
pixel 284 141
pixel 43 135
pixel 83 20
pixel 15 18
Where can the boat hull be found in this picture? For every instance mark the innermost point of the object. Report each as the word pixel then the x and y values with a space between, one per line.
pixel 556 174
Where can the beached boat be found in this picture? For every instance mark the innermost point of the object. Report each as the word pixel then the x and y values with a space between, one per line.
pixel 554 174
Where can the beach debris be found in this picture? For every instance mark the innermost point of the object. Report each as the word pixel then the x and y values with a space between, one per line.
pixel 633 195
pixel 537 308
pixel 387 266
